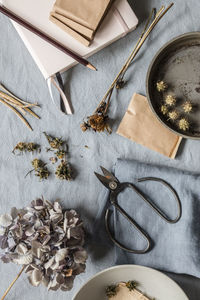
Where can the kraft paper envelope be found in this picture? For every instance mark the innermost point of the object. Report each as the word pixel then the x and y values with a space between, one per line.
pixel 80 18
pixel 141 126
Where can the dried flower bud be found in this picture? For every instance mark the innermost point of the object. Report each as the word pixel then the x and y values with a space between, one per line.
pixel 173 115
pixel 84 126
pixel 120 84
pixel 37 163
pixel 131 285
pixel 98 122
pixel 40 169
pixel 64 171
pixel 161 86
pixel 111 291
pixel 23 147
pixel 164 109
pixel 60 154
pixel 184 124
pixel 170 100
pixel 53 159
pixel 54 142
pixel 187 107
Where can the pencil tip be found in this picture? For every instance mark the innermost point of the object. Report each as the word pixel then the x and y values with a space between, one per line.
pixel 90 66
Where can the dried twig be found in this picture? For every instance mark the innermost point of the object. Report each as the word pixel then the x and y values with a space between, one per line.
pixel 17 113
pixel 10 286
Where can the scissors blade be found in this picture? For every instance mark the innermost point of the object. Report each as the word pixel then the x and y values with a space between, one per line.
pixel 108 174
pixel 105 181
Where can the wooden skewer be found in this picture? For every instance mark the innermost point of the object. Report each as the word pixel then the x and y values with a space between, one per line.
pixel 12 95
pixel 20 105
pixel 47 38
pixel 17 113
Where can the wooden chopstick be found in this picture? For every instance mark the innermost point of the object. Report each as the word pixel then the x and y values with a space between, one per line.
pixel 46 37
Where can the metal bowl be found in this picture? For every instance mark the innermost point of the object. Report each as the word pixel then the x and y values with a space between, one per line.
pixel 178 64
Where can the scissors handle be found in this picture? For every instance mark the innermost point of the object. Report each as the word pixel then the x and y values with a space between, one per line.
pixel 137 227
pixel 153 206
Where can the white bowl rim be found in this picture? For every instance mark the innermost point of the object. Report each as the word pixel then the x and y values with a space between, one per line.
pixel 129 266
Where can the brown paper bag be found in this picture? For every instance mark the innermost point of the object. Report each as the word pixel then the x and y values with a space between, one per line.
pixel 141 126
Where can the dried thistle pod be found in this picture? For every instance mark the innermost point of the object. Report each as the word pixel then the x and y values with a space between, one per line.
pixel 173 115
pixel 161 86
pixel 164 109
pixel 170 100
pixel 183 124
pixel 187 107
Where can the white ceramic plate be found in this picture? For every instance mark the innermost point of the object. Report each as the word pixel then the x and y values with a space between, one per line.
pixel 153 283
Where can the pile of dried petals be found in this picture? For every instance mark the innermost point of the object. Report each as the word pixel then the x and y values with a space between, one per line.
pixel 17 105
pixel 47 241
pixel 98 122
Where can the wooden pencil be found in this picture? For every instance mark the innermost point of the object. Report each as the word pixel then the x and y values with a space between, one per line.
pixel 46 37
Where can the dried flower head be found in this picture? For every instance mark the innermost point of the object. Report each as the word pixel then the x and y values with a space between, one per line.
pixel 131 285
pixel 53 159
pixel 99 123
pixel 161 86
pixel 173 115
pixel 54 142
pixel 120 84
pixel 47 240
pixel 111 291
pixel 23 147
pixel 183 124
pixel 64 171
pixel 170 100
pixel 164 109
pixel 60 154
pixel 187 107
pixel 40 169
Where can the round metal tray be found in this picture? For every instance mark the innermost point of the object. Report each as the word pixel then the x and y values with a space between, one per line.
pixel 178 64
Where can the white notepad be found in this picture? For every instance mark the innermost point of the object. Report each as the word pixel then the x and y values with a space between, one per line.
pixel 119 21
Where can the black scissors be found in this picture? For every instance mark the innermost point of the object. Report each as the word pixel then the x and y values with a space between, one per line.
pixel 115 187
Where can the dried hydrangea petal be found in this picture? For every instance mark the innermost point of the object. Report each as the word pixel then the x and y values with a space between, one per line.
pixel 35 277
pixel 80 256
pixel 5 220
pixel 25 259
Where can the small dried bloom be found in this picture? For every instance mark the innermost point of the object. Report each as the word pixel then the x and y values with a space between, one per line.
pixel 54 142
pixel 60 154
pixel 84 126
pixel 173 115
pixel 161 86
pixel 53 159
pixel 184 124
pixel 187 107
pixel 131 285
pixel 164 109
pixel 120 84
pixel 64 171
pixel 98 122
pixel 47 240
pixel 170 100
pixel 111 291
pixel 40 169
pixel 23 147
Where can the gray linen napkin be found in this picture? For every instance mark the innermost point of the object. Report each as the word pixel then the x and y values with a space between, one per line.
pixel 176 247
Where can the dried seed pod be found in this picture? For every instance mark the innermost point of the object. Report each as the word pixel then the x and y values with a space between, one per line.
pixel 183 124
pixel 64 171
pixel 173 115
pixel 170 100
pixel 60 154
pixel 54 142
pixel 187 107
pixel 161 86
pixel 164 109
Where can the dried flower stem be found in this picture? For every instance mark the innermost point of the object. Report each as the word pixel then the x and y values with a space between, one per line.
pixel 10 286
pixel 17 113
pixel 99 120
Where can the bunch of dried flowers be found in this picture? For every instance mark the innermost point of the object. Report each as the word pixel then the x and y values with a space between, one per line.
pixel 47 241
pixel 40 169
pixel 99 120
pixel 63 170
pixel 17 105
pixel 26 147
